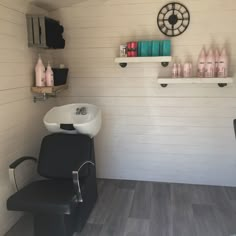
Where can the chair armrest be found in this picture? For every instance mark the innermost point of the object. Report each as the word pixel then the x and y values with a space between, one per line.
pixel 13 166
pixel 20 160
pixel 75 175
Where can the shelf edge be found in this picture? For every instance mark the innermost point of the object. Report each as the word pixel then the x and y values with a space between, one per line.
pixel 227 80
pixel 142 59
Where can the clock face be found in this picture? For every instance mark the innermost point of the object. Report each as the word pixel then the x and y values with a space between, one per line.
pixel 173 19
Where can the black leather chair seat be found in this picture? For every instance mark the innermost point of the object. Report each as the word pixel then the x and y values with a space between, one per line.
pixel 45 196
pixel 61 203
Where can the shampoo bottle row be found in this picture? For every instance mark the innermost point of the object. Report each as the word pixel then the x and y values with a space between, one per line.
pixel 43 78
pixel 213 64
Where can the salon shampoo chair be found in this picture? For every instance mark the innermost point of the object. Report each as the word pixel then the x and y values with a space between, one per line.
pixel 60 203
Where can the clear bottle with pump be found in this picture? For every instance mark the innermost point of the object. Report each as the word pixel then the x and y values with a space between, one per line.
pixel 190 69
pixel 187 71
pixel 179 70
pixel 49 76
pixel 210 64
pixel 174 71
pixel 201 64
pixel 223 64
pixel 40 73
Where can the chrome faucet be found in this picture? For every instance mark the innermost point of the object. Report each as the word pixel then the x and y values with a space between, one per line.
pixel 77 111
pixel 81 111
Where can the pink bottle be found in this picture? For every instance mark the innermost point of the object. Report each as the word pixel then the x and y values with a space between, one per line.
pixel 174 71
pixel 201 64
pixel 223 64
pixel 49 76
pixel 210 65
pixel 40 73
pixel 217 60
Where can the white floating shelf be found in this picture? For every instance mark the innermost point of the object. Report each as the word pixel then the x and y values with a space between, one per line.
pixel 220 81
pixel 123 61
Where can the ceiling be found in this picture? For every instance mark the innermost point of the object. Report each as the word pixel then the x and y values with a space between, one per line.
pixel 55 4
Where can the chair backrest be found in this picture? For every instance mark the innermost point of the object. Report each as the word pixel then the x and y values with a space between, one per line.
pixel 60 154
pixel 235 127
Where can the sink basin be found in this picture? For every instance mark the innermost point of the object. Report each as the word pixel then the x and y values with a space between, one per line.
pixel 76 118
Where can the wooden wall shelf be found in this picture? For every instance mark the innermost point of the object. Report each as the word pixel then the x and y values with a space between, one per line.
pixel 49 90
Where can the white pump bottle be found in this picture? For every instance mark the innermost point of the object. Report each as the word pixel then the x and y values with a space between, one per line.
pixel 49 76
pixel 40 73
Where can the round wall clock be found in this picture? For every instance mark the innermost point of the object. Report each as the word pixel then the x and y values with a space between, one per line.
pixel 173 19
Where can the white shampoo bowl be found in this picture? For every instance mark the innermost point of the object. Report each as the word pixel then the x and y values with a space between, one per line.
pixel 80 118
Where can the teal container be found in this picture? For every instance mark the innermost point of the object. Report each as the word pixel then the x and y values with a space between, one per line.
pixel 155 48
pixel 165 48
pixel 139 49
pixel 146 48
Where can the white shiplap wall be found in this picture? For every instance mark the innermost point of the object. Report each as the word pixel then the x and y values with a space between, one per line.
pixel 183 133
pixel 21 125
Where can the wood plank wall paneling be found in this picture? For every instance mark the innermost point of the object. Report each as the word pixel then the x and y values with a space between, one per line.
pixel 183 133
pixel 21 126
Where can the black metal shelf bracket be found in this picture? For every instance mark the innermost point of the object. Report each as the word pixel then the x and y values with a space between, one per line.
pixel 123 65
pixel 164 85
pixel 222 85
pixel 165 64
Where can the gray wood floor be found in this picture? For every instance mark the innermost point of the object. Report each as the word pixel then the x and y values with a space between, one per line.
pixel 133 208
